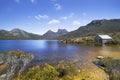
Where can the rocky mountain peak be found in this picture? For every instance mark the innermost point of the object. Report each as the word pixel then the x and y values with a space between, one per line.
pixel 96 22
pixel 16 30
pixel 49 31
pixel 51 34
pixel 62 31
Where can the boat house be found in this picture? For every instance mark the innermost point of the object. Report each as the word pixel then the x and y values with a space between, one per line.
pixel 101 39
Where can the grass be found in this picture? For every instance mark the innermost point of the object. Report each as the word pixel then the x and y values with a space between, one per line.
pixel 80 40
pixel 91 72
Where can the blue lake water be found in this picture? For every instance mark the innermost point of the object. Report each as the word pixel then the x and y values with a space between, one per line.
pixel 52 50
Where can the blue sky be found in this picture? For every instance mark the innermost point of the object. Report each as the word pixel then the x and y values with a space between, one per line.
pixel 38 16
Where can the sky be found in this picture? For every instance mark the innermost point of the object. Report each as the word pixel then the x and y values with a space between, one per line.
pixel 39 16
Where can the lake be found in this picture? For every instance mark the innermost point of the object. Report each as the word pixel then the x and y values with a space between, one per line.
pixel 53 51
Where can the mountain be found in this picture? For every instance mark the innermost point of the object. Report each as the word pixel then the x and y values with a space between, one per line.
pixel 21 34
pixel 95 27
pixel 17 34
pixel 61 32
pixel 51 35
pixel 5 35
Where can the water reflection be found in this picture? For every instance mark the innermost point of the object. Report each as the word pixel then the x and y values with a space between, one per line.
pixel 51 50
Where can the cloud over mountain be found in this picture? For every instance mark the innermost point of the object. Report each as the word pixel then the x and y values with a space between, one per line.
pixel 53 21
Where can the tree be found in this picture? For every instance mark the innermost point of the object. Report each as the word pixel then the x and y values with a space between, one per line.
pixel 13 59
pixel 26 60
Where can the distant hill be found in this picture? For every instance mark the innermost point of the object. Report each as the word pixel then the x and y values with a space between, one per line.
pixel 95 27
pixel 51 35
pixel 18 34
pixel 22 35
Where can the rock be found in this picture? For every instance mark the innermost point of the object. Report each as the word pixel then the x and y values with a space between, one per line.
pixel 99 57
pixel 3 76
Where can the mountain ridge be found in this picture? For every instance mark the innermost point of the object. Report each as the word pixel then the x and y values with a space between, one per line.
pixel 17 34
pixel 95 27
pixel 51 34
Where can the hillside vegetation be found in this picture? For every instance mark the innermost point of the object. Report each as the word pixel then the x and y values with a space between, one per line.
pixel 90 39
pixel 96 27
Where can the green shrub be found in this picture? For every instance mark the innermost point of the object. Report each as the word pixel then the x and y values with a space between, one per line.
pixel 48 72
pixel 112 42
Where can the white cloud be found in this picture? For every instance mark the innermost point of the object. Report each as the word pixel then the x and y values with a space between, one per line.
pixel 38 17
pixel 17 1
pixel 76 23
pixel 54 21
pixel 32 1
pixel 57 6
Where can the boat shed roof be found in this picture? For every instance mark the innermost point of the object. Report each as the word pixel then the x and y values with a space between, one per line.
pixel 105 36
